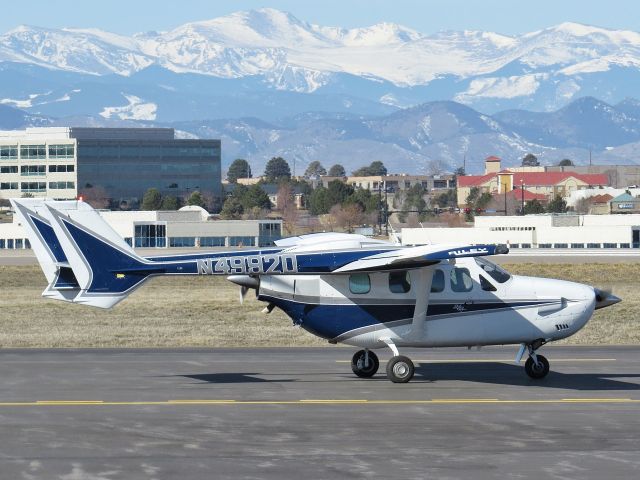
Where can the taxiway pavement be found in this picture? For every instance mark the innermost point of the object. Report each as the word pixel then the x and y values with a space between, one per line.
pixel 300 413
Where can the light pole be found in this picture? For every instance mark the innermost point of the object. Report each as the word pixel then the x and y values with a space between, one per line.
pixel 522 193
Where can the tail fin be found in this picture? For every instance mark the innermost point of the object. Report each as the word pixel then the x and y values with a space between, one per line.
pixel 80 252
pixel 34 217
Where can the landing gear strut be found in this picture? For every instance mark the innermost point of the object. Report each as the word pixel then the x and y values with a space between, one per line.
pixel 365 363
pixel 536 366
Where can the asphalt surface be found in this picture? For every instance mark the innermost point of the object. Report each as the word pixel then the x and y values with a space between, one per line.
pixel 300 413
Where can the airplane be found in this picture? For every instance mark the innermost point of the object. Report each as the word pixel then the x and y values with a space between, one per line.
pixel 345 288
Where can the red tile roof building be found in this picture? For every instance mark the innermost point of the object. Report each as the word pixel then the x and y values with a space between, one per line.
pixel 547 184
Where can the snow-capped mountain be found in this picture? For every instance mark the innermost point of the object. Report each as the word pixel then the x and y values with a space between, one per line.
pixel 387 64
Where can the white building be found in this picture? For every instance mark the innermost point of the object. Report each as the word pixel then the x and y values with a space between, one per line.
pixel 188 227
pixel 538 231
pixel 38 161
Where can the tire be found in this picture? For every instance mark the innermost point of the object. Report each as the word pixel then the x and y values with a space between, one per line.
pixel 400 369
pixel 357 364
pixel 537 372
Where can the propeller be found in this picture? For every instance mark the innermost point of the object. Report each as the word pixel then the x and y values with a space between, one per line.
pixel 246 283
pixel 605 298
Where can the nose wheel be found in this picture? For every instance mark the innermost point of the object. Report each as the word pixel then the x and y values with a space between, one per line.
pixel 536 366
pixel 365 364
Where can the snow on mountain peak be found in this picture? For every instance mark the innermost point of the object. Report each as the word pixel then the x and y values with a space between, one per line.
pixel 295 55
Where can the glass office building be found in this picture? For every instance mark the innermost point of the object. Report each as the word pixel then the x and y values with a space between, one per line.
pixel 117 164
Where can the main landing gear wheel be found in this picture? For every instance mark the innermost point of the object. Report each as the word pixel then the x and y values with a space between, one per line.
pixel 537 370
pixel 363 368
pixel 400 369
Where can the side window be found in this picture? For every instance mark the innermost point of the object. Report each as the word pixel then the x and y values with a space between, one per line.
pixel 461 280
pixel 486 285
pixel 359 283
pixel 437 281
pixel 399 282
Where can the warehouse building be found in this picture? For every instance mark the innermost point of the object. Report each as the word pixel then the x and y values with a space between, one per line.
pixel 563 231
pixel 116 165
pixel 187 227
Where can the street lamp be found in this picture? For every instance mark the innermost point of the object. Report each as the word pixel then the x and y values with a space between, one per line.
pixel 522 193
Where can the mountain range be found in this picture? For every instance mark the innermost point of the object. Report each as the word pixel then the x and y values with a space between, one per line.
pixel 269 84
pixel 428 138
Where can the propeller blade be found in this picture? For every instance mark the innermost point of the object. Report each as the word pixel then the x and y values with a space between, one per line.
pixel 243 293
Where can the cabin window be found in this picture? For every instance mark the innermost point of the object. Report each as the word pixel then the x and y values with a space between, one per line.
pixel 461 280
pixel 437 281
pixel 493 270
pixel 486 285
pixel 359 283
pixel 399 282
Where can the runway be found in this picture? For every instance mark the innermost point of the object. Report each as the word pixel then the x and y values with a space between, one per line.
pixel 293 413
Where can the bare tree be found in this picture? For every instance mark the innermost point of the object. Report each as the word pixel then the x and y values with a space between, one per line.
pixel 347 216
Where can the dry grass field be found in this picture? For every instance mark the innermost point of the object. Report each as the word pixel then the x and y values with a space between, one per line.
pixel 205 311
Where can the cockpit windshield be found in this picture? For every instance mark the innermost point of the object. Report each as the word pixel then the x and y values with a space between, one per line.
pixel 494 271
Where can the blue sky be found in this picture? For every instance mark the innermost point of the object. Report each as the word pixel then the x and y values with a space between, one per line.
pixel 503 16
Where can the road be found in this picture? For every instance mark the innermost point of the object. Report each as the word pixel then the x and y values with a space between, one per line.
pixel 300 413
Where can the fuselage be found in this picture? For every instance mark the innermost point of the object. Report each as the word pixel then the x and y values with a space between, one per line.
pixel 470 302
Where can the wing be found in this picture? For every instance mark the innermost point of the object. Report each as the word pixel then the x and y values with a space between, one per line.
pixel 422 256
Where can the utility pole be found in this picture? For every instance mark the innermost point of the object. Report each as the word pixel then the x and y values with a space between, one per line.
pixel 589 156
pixel 522 192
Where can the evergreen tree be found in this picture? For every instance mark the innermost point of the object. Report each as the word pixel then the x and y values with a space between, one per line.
pixel 196 199
pixel 533 207
pixel 255 197
pixel 315 168
pixel 169 203
pixel 557 205
pixel 565 162
pixel 337 170
pixel 277 169
pixel 530 160
pixel 232 209
pixel 152 200
pixel 239 168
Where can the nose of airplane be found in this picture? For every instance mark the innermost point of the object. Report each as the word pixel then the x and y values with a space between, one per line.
pixel 605 298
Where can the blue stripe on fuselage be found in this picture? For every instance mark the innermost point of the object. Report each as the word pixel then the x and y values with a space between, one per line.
pixel 330 321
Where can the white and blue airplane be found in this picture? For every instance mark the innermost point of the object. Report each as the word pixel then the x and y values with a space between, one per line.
pixel 344 288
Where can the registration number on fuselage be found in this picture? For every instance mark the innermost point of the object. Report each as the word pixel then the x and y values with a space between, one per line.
pixel 249 264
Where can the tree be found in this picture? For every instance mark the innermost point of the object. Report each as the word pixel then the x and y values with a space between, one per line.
pixel 315 168
pixel 196 199
pixel 169 203
pixel 239 168
pixel 151 200
pixel 317 202
pixel 254 197
pixel 565 162
pixel 447 199
pixel 530 160
pixel 533 207
pixel 232 209
pixel 337 170
pixel 483 200
pixel 557 205
pixel 375 168
pixel 348 216
pixel 414 199
pixel 277 169
pixel 460 172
